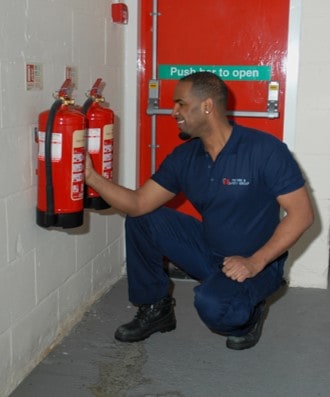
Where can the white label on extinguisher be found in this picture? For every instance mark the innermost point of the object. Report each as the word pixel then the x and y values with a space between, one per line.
pixel 107 150
pixel 56 147
pixel 94 140
pixel 78 157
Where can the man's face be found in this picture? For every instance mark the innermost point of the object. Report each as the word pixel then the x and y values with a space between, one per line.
pixel 187 110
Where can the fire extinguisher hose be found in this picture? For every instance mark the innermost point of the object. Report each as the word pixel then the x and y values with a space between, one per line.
pixel 50 214
pixel 87 105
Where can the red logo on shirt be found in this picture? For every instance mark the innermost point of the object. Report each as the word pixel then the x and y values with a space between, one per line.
pixel 235 182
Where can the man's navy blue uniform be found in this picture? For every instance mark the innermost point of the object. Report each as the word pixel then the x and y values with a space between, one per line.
pixel 236 197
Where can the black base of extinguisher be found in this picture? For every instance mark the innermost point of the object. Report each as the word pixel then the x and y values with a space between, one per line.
pixel 67 221
pixel 96 203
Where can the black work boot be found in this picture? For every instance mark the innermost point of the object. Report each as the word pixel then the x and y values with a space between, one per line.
pixel 252 337
pixel 158 317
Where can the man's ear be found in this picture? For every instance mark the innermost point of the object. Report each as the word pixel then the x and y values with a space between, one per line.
pixel 208 106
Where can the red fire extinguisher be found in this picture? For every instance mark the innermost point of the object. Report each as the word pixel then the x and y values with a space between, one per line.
pixel 61 161
pixel 100 123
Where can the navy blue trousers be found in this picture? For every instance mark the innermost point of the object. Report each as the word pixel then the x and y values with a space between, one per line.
pixel 224 305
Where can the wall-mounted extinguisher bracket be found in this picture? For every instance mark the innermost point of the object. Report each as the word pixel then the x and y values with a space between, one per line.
pixel 100 122
pixel 61 159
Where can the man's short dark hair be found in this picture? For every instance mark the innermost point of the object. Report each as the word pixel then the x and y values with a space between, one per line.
pixel 208 85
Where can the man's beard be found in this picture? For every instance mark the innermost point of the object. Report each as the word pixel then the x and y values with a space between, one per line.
pixel 184 136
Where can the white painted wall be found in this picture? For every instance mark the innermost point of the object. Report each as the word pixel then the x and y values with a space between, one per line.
pixel 49 277
pixel 309 263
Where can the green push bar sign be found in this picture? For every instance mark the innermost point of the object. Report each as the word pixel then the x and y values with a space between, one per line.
pixel 239 72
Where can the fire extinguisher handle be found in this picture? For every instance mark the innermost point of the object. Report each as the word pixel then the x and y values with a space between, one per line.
pixel 97 87
pixel 66 89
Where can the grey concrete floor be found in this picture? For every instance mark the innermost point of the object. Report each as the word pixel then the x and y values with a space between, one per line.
pixel 291 359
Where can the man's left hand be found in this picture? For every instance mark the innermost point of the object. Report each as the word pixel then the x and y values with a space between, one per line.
pixel 239 268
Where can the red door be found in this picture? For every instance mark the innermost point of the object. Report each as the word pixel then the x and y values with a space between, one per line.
pixel 244 42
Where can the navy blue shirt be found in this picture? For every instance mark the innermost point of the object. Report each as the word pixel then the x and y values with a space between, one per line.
pixel 236 193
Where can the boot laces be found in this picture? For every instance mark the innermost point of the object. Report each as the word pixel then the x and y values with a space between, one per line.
pixel 144 312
